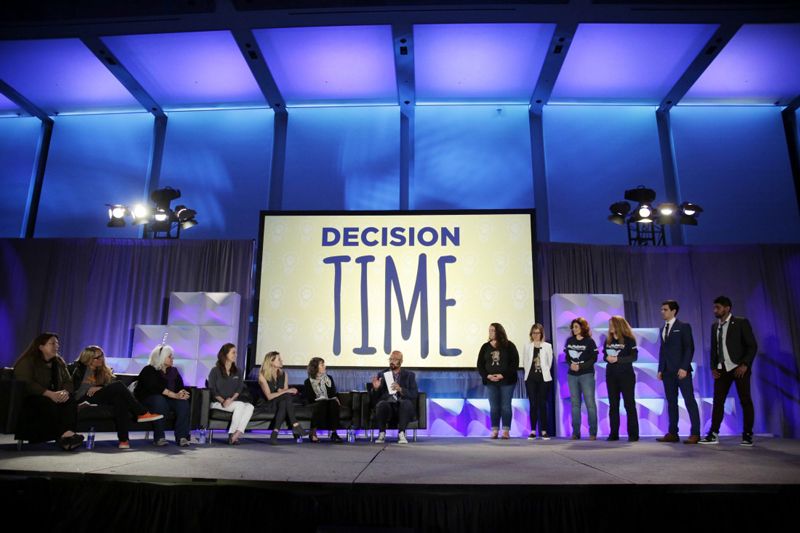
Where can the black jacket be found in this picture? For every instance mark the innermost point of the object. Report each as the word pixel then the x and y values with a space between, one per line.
pixel 739 340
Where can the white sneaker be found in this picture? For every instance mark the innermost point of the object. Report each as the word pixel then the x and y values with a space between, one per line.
pixel 381 438
pixel 532 435
pixel 401 438
pixel 160 442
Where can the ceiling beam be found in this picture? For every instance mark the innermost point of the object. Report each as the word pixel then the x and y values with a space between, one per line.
pixel 699 64
pixel 227 17
pixel 255 60
pixel 553 61
pixel 118 70
pixel 23 103
pixel 403 43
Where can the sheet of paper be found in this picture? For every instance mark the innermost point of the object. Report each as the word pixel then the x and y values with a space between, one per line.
pixel 388 377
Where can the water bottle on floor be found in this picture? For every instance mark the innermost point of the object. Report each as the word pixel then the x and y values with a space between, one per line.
pixel 201 435
pixel 90 439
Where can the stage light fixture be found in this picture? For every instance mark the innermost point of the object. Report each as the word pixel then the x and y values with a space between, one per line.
pixel 646 222
pixel 159 221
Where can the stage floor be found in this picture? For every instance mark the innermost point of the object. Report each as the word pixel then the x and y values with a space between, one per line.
pixel 430 461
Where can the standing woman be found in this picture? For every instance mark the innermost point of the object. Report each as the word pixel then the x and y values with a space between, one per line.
pixel 226 385
pixel 619 352
pixel 320 390
pixel 581 355
pixel 537 361
pixel 49 411
pixel 498 362
pixel 275 386
pixel 95 383
pixel 160 387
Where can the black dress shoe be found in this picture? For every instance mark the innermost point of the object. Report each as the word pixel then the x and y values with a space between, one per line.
pixel 613 437
pixel 273 439
pixel 633 439
pixel 336 438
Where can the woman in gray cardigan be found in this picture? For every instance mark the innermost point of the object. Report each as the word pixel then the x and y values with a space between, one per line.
pixel 226 385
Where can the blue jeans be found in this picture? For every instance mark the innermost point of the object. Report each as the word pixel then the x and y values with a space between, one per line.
pixel 500 404
pixel 162 405
pixel 577 385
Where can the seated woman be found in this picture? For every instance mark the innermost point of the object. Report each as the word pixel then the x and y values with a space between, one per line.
pixel 226 385
pixel 49 411
pixel 320 390
pixel 160 388
pixel 274 384
pixel 94 382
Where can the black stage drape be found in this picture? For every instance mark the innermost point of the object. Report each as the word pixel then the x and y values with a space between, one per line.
pixel 94 291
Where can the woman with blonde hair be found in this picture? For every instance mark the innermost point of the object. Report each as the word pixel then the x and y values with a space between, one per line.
pixel 274 384
pixel 581 355
pixel 619 353
pixel 160 387
pixel 537 359
pixel 94 382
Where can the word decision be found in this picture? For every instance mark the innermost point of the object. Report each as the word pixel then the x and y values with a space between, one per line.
pixel 392 237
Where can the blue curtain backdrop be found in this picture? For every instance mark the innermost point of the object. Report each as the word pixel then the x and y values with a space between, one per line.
pixel 96 290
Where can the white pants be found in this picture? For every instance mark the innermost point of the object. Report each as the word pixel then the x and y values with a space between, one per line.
pixel 242 411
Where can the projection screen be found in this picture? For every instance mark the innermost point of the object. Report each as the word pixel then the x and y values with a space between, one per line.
pixel 353 287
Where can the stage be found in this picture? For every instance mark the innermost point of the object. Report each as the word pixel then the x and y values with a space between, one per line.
pixel 435 484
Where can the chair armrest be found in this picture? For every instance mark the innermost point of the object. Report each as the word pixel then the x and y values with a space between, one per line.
pixel 422 410
pixel 205 403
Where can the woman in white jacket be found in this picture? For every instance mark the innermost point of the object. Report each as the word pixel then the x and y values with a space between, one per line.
pixel 538 362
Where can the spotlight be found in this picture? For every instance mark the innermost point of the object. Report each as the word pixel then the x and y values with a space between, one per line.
pixel 163 197
pixel 691 209
pixel 644 211
pixel 640 195
pixel 161 215
pixel 141 213
pixel 188 224
pixel 667 209
pixel 185 216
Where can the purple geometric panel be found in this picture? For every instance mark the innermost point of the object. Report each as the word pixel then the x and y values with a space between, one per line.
pixel 331 64
pixel 760 65
pixel 478 62
pixel 627 63
pixel 202 369
pixel 595 308
pixel 192 69
pixel 221 309
pixel 62 75
pixel 451 417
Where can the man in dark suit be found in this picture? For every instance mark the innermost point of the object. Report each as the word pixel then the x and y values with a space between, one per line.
pixel 399 402
pixel 733 348
pixel 675 369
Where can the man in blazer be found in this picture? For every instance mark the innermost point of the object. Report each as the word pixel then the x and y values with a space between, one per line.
pixel 733 348
pixel 399 402
pixel 675 369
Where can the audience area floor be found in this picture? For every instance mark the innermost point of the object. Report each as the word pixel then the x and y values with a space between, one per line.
pixel 430 461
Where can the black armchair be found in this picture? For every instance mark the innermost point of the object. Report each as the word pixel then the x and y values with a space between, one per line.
pixel 368 413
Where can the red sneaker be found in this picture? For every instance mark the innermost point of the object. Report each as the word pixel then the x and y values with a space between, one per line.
pixel 149 417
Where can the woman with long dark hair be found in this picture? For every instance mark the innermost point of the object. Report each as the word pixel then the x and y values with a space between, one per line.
pixel 274 384
pixel 226 385
pixel 94 382
pixel 581 354
pixel 619 353
pixel 49 410
pixel 320 390
pixel 498 362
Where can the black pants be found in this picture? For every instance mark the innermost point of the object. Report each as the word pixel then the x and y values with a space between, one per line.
pixel 325 415
pixel 721 387
pixel 284 412
pixel 41 419
pixel 388 411
pixel 537 396
pixel 622 382
pixel 117 395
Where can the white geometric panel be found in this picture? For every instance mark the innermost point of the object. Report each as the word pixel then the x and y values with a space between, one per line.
pixel 213 337
pixel 221 309
pixel 183 339
pixel 186 308
pixel 595 308
pixel 204 366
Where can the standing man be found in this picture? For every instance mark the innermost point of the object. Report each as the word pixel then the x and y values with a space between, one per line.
pixel 395 404
pixel 733 348
pixel 675 369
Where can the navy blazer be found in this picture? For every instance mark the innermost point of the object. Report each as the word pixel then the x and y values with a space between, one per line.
pixel 407 381
pixel 739 340
pixel 678 350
